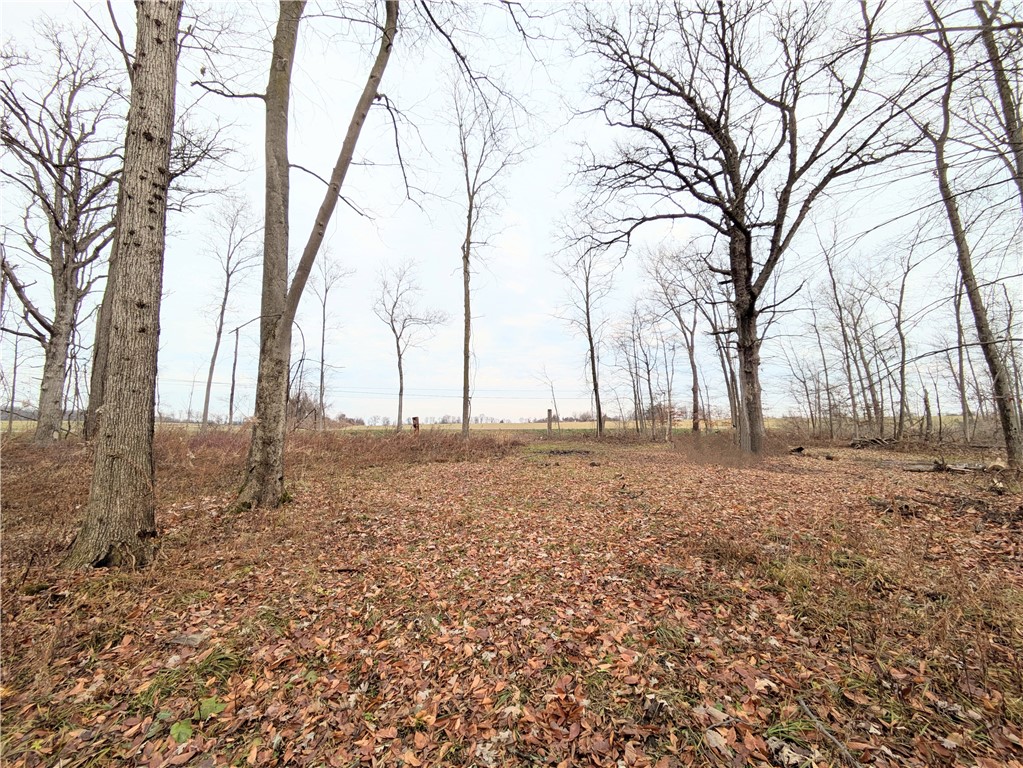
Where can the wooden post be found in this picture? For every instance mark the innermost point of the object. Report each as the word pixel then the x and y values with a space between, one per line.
pixel 415 424
pixel 550 421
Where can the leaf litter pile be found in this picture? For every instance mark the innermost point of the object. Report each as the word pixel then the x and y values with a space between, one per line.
pixel 425 602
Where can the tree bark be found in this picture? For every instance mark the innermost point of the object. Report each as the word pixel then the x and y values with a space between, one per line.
pixel 119 528
pixel 51 388
pixel 264 483
pixel 101 345
pixel 1003 395
pixel 900 330
pixel 751 438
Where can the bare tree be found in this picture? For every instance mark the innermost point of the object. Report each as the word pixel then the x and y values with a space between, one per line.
pixel 485 152
pixel 715 115
pixel 939 136
pixel 236 255
pixel 590 279
pixel 264 482
pixel 328 274
pixel 668 271
pixel 396 307
pixel 119 528
pixel 897 307
pixel 61 141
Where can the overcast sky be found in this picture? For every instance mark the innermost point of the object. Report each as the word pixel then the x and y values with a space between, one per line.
pixel 516 294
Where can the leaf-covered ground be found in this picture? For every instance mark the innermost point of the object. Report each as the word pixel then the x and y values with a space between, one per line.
pixel 421 603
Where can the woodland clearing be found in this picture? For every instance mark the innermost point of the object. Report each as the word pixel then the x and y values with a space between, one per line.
pixel 424 601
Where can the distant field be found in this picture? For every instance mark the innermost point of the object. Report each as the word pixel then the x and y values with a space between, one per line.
pixel 22 426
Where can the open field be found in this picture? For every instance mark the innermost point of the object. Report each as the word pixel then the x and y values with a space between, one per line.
pixel 507 602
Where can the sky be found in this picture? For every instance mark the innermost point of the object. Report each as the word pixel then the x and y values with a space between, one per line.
pixel 519 337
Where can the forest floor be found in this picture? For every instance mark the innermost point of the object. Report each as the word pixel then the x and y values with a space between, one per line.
pixel 423 602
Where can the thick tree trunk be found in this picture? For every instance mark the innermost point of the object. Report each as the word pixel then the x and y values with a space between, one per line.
pixel 51 388
pixel 119 528
pixel 101 345
pixel 744 305
pixel 264 481
pixel 752 437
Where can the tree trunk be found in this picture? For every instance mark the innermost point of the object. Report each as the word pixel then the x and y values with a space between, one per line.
pixel 928 425
pixel 14 389
pixel 101 344
pixel 234 373
pixel 691 351
pixel 751 439
pixel 321 415
pixel 593 365
pixel 650 394
pixel 876 409
pixel 51 389
pixel 827 381
pixel 401 385
pixel 1003 395
pixel 467 325
pixel 216 351
pixel 119 528
pixel 847 356
pixel 264 482
pixel 731 383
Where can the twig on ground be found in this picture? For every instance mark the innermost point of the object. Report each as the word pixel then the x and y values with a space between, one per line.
pixel 842 749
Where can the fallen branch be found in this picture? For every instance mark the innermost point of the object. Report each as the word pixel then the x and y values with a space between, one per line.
pixel 842 749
